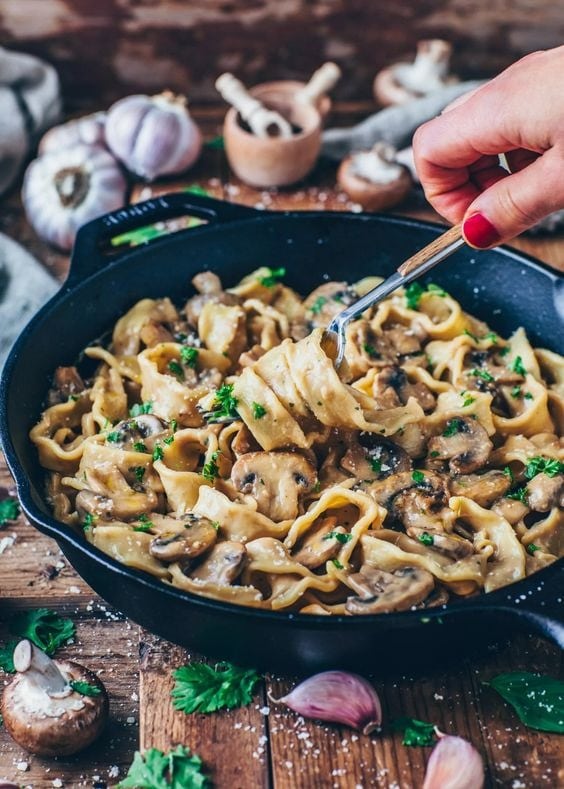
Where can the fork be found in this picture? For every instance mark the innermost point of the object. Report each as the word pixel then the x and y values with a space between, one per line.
pixel 333 338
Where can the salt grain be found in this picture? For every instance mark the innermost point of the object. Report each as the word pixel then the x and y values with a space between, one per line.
pixel 22 766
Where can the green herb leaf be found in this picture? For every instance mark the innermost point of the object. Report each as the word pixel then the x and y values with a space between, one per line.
pixel 189 356
pixel 139 472
pixel 203 688
pixel 173 425
pixel 504 351
pixel 528 396
pixel 88 521
pixel 85 688
pixel 341 537
pixel 9 510
pixel 517 366
pixel 168 441
pixel 453 426
pixel 416 733
pixel 114 437
pixel 467 400
pixel 216 525
pixel 139 446
pixel 210 470
pixel 418 477
pixel 370 350
pixel 516 391
pixel 483 374
pixel 175 368
pixel 273 277
pixel 318 305
pixel 539 465
pixel 216 143
pixel 426 538
pixel 413 295
pixel 45 628
pixel 508 473
pixel 258 411
pixel 375 465
pixel 158 452
pixel 538 700
pixel 7 656
pixel 519 494
pixel 436 289
pixel 338 564
pixel 177 769
pixel 141 408
pixel 531 548
pixel 224 406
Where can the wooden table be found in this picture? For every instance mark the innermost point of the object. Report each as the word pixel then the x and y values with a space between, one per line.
pixel 260 745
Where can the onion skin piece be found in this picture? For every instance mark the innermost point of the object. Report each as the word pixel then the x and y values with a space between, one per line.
pixel 454 764
pixel 337 697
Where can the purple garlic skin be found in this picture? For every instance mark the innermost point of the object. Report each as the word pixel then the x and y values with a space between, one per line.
pixel 454 764
pixel 153 135
pixel 337 697
pixel 88 130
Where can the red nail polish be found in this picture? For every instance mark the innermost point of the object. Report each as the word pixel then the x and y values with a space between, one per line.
pixel 479 232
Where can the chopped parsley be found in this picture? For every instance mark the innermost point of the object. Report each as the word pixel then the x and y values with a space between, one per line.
pixel 342 537
pixel 490 336
pixel 426 538
pixel 273 277
pixel 528 396
pixel 414 292
pixel 453 426
pixel 258 411
pixel 9 510
pixel 504 351
pixel 88 521
pixel 114 437
pixel 416 733
pixel 434 454
pixel 216 525
pixel 318 305
pixel 141 408
pixel 531 548
pixel 210 470
pixel 85 688
pixel 45 628
pixel 139 446
pixel 436 289
pixel 468 399
pixel 418 477
pixel 517 366
pixel 224 405
pixel 483 374
pixel 145 524
pixel 175 368
pixel 173 425
pixel 189 356
pixel 158 452
pixel 370 350
pixel 168 441
pixel 508 473
pixel 139 472
pixel 375 465
pixel 539 465
pixel 203 688
pixel 338 564
pixel 519 494
pixel 516 391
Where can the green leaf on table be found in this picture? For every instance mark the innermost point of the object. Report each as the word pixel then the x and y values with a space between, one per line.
pixel 196 189
pixel 85 688
pixel 9 510
pixel 538 700
pixel 416 733
pixel 45 628
pixel 216 143
pixel 7 656
pixel 203 688
pixel 177 769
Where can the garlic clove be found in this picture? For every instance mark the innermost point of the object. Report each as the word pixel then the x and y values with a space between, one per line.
pixel 88 130
pixel 64 190
pixel 337 697
pixel 153 135
pixel 454 764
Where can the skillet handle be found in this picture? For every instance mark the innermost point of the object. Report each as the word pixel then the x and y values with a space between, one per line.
pixel 90 252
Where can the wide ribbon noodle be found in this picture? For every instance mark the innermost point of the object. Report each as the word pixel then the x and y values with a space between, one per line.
pixel 217 448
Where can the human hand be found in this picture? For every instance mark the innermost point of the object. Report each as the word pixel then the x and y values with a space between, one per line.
pixel 519 113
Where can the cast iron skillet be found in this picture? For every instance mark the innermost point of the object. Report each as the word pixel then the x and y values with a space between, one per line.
pixel 503 287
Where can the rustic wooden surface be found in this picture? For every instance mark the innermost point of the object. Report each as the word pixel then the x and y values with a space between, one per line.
pixel 261 746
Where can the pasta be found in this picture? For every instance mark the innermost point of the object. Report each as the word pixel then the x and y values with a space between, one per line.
pixel 217 447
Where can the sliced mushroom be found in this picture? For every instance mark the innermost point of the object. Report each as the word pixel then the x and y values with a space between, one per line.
pixel 374 457
pixel 88 502
pixel 244 442
pixel 390 345
pixel 381 592
pixel 143 429
pixel 326 301
pixel 452 545
pixel 209 290
pixel 154 333
pixel 320 543
pixel 66 382
pixel 222 565
pixel 544 492
pixel 276 480
pixel 392 388
pixel 511 509
pixel 463 442
pixel 484 489
pixel 197 537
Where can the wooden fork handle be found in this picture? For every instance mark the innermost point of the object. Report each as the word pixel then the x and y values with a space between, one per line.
pixel 436 246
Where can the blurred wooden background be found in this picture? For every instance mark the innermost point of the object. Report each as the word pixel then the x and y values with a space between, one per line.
pixel 105 49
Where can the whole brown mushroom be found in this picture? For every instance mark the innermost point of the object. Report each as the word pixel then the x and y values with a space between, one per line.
pixel 374 178
pixel 53 707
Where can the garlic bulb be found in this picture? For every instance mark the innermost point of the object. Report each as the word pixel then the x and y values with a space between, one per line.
pixel 63 190
pixel 88 130
pixel 153 135
pixel 454 764
pixel 338 697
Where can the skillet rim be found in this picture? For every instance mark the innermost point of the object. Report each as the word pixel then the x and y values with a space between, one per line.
pixel 500 599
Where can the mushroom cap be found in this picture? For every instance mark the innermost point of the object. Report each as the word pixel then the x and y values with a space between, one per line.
pixel 372 196
pixel 463 442
pixel 49 726
pixel 388 91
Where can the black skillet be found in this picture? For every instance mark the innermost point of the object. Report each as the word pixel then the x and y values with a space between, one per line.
pixel 503 287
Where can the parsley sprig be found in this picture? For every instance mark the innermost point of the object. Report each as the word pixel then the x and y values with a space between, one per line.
pixel 43 627
pixel 224 407
pixel 414 292
pixel 189 356
pixel 273 277
pixel 9 510
pixel 141 408
pixel 177 769
pixel 539 465
pixel 85 688
pixel 200 687
pixel 416 733
pixel 210 470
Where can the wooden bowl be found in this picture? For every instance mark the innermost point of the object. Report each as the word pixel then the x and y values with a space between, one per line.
pixel 283 91
pixel 274 161
pixel 372 196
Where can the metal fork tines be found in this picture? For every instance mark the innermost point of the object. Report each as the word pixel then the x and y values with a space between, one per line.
pixel 333 339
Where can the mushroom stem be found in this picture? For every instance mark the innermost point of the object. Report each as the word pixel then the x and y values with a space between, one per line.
pixel 322 81
pixel 39 668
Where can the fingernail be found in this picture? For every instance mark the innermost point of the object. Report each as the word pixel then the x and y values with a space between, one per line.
pixel 479 232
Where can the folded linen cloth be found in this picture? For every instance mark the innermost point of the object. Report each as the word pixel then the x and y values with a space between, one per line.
pixel 30 102
pixel 25 286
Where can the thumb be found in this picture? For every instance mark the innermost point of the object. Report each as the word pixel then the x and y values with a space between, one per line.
pixel 516 202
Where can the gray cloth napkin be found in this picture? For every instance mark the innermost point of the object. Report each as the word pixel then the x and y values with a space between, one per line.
pixel 25 286
pixel 30 102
